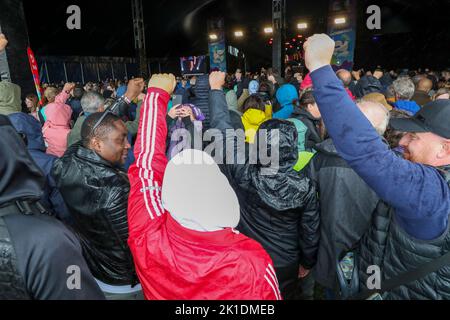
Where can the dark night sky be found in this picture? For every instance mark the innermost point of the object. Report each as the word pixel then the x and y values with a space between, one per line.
pixel 107 28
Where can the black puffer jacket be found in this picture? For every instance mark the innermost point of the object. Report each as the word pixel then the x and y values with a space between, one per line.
pixel 386 245
pixel 346 207
pixel 96 194
pixel 278 210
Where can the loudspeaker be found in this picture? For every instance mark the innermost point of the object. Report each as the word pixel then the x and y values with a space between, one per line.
pixel 14 64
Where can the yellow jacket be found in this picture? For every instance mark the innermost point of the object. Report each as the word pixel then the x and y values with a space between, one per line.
pixel 252 119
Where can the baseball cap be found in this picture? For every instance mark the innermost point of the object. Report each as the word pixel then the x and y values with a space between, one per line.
pixel 433 117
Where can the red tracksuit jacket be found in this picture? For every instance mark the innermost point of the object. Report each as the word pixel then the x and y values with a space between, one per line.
pixel 176 263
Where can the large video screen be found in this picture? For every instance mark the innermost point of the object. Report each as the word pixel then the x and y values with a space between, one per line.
pixel 194 65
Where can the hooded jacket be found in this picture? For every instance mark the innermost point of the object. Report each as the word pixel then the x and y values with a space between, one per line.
pixel 235 115
pixel 278 209
pixel 253 87
pixel 251 120
pixel 191 252
pixel 9 98
pixel 346 207
pixel 29 126
pixel 57 128
pixel 96 195
pixel 309 135
pixel 287 95
pixel 36 248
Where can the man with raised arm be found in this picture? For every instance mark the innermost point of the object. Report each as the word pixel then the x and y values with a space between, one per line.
pixel 181 217
pixel 410 226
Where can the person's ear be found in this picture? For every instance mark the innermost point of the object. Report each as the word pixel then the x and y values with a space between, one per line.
pixel 96 145
pixel 444 151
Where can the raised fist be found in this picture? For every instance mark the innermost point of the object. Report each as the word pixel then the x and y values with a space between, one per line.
pixel 134 88
pixel 3 42
pixel 166 82
pixel 217 80
pixel 68 87
pixel 318 51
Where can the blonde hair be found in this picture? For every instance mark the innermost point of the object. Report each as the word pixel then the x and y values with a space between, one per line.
pixel 50 94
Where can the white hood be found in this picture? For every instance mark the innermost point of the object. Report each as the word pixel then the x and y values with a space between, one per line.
pixel 197 194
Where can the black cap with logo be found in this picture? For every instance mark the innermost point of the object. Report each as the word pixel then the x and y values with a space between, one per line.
pixel 433 117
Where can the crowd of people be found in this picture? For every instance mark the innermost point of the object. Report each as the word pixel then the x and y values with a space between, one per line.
pixel 105 195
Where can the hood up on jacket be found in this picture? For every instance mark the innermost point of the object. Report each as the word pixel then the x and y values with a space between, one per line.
pixel 286 145
pixel 287 95
pixel 254 118
pixel 251 120
pixel 232 100
pixel 29 126
pixel 253 87
pixel 10 101
pixel 285 189
pixel 197 194
pixel 20 177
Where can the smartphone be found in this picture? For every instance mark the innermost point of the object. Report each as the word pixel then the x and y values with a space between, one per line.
pixel 177 99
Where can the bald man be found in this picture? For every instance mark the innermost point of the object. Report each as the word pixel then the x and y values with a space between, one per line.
pixel 346 201
pixel 347 80
pixel 422 94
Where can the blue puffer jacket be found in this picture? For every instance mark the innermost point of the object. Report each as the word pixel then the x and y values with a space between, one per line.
pixel 286 96
pixel 29 126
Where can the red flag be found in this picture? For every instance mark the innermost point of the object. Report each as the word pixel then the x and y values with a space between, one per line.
pixel 35 72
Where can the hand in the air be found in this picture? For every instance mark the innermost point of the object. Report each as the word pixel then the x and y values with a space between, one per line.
pixel 319 51
pixel 68 87
pixel 134 88
pixel 217 80
pixel 166 82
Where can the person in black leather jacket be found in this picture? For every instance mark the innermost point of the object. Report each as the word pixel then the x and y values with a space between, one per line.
pixel 278 210
pixel 96 190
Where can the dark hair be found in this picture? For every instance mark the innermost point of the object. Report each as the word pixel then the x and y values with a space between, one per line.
pixel 288 76
pixel 306 98
pixel 32 96
pixel 78 92
pixel 103 129
pixel 254 102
